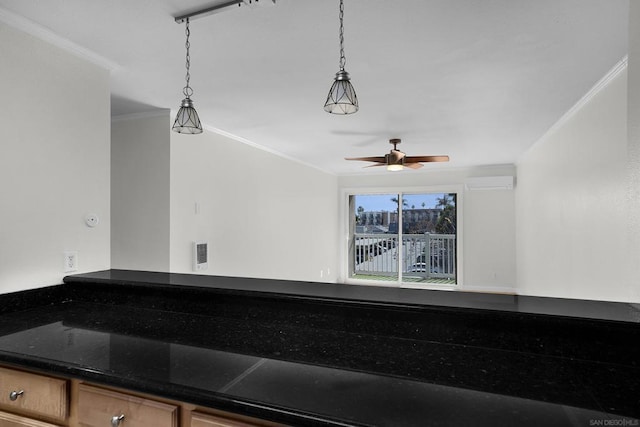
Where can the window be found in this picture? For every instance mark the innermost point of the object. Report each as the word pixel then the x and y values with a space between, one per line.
pixel 403 238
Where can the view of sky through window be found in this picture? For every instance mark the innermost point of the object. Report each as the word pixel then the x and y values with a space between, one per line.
pixel 383 202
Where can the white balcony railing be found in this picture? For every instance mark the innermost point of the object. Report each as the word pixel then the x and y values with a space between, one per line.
pixel 423 255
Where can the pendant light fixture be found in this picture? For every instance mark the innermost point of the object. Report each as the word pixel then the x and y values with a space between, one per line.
pixel 342 97
pixel 187 120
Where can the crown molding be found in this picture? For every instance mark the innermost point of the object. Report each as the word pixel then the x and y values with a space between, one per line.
pixel 260 147
pixel 600 85
pixel 36 30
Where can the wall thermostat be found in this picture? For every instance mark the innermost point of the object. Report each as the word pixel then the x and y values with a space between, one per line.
pixel 200 256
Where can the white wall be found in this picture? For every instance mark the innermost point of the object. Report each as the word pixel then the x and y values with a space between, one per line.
pixel 489 240
pixel 140 192
pixel 571 208
pixel 633 152
pixel 263 215
pixel 488 225
pixel 54 161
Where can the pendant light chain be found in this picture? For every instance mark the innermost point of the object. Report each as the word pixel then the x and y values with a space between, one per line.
pixel 187 89
pixel 343 60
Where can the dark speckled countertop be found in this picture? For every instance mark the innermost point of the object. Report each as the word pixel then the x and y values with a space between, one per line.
pixel 322 354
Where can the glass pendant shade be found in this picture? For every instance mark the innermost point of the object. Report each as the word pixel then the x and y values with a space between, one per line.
pixel 187 120
pixel 342 97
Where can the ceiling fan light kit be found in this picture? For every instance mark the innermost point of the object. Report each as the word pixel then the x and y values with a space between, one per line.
pixel 342 97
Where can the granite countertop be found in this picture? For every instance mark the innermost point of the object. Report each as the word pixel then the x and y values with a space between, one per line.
pixel 589 309
pixel 271 350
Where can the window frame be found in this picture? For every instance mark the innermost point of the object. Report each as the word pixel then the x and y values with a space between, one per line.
pixel 346 192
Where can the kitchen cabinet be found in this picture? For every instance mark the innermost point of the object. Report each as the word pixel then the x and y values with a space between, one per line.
pixel 32 395
pixel 37 400
pixel 11 420
pixel 205 420
pixel 98 407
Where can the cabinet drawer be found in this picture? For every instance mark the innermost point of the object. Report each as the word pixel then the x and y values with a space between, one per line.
pixel 204 420
pixel 33 394
pixel 10 420
pixel 97 407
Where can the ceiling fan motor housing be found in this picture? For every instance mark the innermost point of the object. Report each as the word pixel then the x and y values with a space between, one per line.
pixel 395 157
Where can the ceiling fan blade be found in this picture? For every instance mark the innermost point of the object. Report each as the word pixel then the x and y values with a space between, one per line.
pixel 413 165
pixel 376 165
pixel 380 159
pixel 414 159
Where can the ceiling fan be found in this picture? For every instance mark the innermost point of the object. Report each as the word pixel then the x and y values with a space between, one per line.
pixel 396 160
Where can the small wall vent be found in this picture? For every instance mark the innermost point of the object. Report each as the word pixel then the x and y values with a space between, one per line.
pixel 200 256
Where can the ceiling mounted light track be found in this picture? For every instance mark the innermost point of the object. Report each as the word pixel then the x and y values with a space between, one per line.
pixel 187 120
pixel 342 97
pixel 221 7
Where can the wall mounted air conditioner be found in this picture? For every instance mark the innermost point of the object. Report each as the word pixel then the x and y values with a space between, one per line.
pixel 489 183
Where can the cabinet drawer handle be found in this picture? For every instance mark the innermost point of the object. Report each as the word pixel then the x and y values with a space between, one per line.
pixel 115 421
pixel 14 395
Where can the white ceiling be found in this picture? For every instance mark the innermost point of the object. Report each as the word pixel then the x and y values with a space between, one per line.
pixel 479 80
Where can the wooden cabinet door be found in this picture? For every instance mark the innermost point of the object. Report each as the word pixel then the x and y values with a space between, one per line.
pixel 10 420
pixel 97 407
pixel 28 393
pixel 204 420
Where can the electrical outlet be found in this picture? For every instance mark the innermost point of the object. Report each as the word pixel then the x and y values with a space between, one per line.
pixel 70 261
